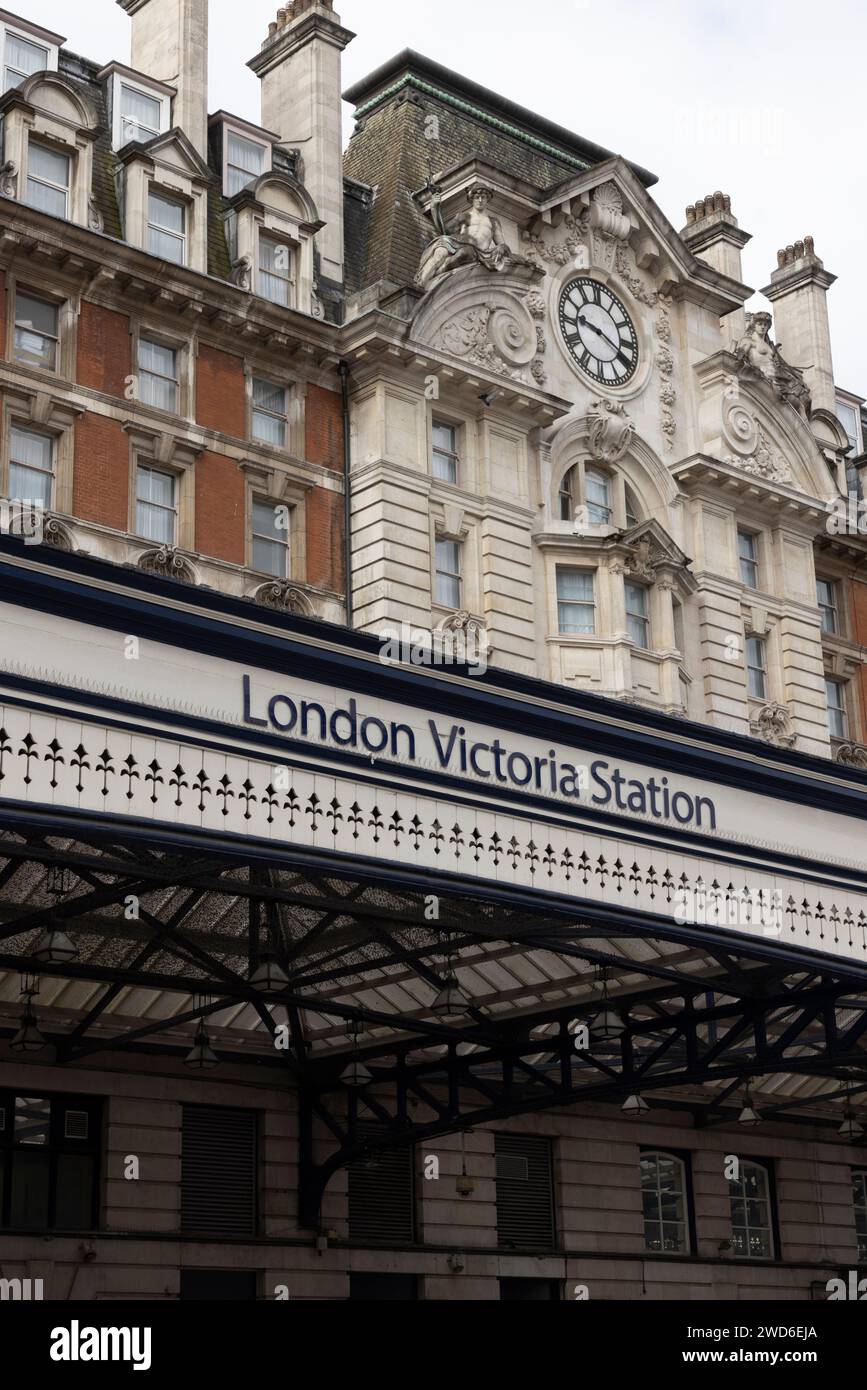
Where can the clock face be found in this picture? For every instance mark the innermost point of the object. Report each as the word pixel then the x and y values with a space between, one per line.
pixel 598 331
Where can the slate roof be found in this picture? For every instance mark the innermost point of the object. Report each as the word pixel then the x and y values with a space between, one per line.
pixel 391 150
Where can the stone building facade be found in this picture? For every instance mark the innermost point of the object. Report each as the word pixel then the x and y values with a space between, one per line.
pixel 552 424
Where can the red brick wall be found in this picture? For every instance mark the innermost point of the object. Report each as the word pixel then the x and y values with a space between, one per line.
pixel 325 538
pixel 220 392
pixel 858 617
pixel 104 349
pixel 100 489
pixel 323 427
pixel 220 492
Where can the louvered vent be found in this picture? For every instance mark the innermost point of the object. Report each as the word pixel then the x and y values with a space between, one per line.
pixel 218 1171
pixel 525 1195
pixel 75 1124
pixel 382 1195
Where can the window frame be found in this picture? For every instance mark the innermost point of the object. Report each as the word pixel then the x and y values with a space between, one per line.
pixel 59 1144
pixel 26 427
pixel 598 474
pixel 449 574
pixel 750 666
pixel 16 291
pixel 254 409
pixel 152 466
pixel 843 708
pixel 123 77
pixel 32 34
pixel 267 157
pixel 158 339
pixel 575 603
pixel 832 607
pixel 633 618
pixel 256 499
pixel 856 446
pixel 689 1222
pixel 265 235
pixel 753 559
pixel 155 191
pixel 34 142
pixel 767 1167
pixel 566 494
pixel 453 454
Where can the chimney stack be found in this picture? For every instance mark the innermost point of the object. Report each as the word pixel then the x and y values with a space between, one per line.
pixel 170 43
pixel 798 292
pixel 712 233
pixel 299 66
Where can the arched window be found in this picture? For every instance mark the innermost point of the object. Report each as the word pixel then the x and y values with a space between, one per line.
pixel 632 509
pixel 752 1224
pixel 664 1202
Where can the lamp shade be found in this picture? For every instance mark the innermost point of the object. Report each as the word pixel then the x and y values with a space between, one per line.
pixel 269 976
pixel 54 947
pixel 28 1038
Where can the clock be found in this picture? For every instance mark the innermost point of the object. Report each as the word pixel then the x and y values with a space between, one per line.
pixel 598 331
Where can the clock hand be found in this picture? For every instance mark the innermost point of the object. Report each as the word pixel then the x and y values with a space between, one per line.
pixel 598 331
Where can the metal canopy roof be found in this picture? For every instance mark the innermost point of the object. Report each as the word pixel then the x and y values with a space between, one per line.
pixel 361 955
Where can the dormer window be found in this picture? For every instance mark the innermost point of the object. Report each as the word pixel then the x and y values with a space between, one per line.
pixel 141 107
pixel 23 58
pixel 48 179
pixel 245 161
pixel 26 51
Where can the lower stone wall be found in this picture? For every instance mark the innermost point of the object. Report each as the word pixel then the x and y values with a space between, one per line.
pixel 139 1254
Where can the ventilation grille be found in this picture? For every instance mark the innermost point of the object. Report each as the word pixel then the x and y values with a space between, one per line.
pixel 75 1124
pixel 218 1171
pixel 525 1197
pixel 382 1195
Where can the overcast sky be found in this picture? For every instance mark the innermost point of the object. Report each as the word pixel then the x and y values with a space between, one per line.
pixel 763 99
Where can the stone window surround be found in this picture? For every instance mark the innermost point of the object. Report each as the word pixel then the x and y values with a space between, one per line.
pixel 296 391
pixel 145 328
pixel 67 301
pixel 142 172
pixel 453 524
pixel 24 123
pixel 759 623
pixel 273 484
pixel 47 414
pixel 116 75
pixel 170 454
